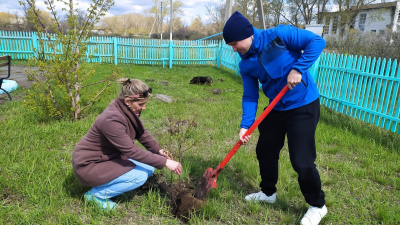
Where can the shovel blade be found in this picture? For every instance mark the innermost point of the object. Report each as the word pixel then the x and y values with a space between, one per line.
pixel 205 184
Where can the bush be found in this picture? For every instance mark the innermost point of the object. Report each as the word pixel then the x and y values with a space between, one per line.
pixel 384 45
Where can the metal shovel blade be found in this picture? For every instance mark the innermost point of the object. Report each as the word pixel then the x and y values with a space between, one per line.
pixel 205 183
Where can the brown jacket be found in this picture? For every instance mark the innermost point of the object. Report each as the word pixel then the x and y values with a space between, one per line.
pixel 97 156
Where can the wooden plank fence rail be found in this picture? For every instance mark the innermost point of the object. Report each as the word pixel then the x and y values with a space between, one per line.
pixel 362 87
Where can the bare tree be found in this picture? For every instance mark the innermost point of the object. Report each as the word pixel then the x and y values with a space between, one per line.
pixel 306 8
pixel 248 9
pixel 321 10
pixel 216 14
pixel 275 10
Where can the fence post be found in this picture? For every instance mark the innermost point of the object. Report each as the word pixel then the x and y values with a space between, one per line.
pixel 170 54
pixel 115 50
pixel 35 45
pixel 219 55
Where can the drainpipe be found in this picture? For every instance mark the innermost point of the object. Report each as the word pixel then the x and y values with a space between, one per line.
pixel 396 16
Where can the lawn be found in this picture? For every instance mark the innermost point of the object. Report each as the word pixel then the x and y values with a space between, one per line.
pixel 358 163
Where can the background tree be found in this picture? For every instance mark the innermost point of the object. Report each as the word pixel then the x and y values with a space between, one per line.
pixel 248 9
pixel 216 14
pixel 63 90
pixel 322 8
pixel 6 20
pixel 127 25
pixel 306 9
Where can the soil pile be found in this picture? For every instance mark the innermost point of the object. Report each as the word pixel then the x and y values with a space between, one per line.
pixel 180 196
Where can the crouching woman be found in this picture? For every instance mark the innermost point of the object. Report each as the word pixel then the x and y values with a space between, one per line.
pixel 107 157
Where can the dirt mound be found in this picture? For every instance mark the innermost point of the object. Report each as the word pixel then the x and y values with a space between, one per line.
pixel 187 203
pixel 180 196
pixel 182 199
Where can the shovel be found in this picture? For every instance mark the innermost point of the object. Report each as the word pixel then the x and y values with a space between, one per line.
pixel 209 179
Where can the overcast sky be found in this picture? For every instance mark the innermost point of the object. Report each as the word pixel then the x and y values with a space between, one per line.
pixel 191 8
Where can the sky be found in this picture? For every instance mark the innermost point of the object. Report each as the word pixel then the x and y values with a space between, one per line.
pixel 191 8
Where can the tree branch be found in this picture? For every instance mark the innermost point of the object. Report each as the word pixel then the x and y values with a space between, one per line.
pixel 54 13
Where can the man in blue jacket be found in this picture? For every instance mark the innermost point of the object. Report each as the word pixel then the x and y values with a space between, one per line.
pixel 277 57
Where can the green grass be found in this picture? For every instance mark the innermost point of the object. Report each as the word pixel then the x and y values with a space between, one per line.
pixel 358 163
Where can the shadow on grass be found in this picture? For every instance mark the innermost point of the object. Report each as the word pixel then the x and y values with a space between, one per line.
pixel 73 188
pixel 360 128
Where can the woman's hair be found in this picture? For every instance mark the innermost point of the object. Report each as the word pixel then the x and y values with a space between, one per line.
pixel 133 89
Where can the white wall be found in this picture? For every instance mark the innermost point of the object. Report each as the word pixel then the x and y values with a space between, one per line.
pixel 374 23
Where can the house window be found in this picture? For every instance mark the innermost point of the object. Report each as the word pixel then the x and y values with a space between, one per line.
pixel 335 24
pixel 361 23
pixel 373 31
pixel 326 27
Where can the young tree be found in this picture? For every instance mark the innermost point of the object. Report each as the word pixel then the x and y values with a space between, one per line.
pixel 62 78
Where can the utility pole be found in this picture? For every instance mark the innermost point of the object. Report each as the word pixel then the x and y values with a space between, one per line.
pixel 161 20
pixel 228 9
pixel 170 28
pixel 260 14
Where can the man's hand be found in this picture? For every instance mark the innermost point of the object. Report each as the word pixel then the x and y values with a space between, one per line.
pixel 241 133
pixel 293 79
pixel 166 154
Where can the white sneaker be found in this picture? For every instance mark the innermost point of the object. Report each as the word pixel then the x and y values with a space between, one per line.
pixel 260 196
pixel 313 215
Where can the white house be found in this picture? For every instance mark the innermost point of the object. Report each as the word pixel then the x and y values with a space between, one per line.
pixel 374 18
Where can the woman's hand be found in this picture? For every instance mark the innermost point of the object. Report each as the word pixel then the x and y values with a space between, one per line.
pixel 174 166
pixel 166 154
pixel 293 79
pixel 245 139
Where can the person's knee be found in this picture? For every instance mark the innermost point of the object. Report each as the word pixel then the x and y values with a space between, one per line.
pixel 141 178
pixel 302 167
pixel 150 171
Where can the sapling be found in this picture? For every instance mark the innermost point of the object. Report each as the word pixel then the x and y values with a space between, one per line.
pixel 62 87
pixel 178 140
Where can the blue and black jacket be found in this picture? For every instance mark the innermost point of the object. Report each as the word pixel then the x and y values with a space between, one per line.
pixel 272 55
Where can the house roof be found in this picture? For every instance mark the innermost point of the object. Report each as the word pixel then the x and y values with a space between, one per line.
pixel 380 5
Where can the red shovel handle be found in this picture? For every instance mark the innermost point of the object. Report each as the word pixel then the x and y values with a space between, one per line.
pixel 250 130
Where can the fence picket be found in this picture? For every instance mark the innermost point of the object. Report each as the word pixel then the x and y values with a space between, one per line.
pixel 369 88
pixel 361 86
pixel 380 121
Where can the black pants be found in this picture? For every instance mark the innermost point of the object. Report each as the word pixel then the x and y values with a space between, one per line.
pixel 299 125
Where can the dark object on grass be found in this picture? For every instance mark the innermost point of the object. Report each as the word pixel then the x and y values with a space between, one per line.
pixel 166 83
pixel 217 91
pixel 201 80
pixel 209 178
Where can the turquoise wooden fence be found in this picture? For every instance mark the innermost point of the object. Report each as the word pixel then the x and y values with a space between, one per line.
pixel 362 87
pixel 22 45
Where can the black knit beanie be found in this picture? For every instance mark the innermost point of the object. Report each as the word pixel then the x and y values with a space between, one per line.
pixel 237 28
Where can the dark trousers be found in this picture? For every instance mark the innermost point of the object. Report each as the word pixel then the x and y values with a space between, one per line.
pixel 299 125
